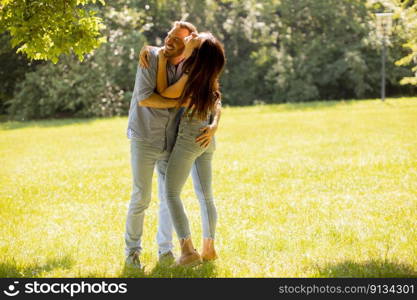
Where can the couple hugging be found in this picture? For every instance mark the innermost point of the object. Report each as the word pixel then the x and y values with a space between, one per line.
pixel 173 116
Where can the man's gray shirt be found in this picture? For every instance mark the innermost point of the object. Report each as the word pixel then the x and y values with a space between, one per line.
pixel 155 126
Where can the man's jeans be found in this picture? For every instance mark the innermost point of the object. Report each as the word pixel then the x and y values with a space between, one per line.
pixel 144 157
pixel 187 155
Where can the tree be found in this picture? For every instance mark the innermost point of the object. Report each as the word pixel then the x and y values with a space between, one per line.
pixel 408 9
pixel 100 86
pixel 13 69
pixel 276 50
pixel 44 30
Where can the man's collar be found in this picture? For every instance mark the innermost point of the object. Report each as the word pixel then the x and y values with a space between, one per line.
pixel 180 62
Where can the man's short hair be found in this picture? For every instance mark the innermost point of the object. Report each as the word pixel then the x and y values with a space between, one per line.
pixel 187 25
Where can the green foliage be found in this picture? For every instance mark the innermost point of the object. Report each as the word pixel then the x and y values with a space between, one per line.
pixel 319 51
pixel 288 51
pixel 101 85
pixel 408 10
pixel 277 51
pixel 48 28
pixel 12 71
pixel 74 90
pixel 404 34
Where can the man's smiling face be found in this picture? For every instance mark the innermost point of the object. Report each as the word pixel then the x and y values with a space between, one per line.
pixel 174 42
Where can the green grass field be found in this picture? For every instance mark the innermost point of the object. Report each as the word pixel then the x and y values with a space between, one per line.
pixel 326 189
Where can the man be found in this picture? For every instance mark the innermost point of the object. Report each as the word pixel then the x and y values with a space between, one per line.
pixel 152 128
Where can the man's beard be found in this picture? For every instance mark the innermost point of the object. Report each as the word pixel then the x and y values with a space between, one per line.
pixel 173 53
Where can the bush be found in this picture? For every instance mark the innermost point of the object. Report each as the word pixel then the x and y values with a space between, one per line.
pixel 67 89
pixel 101 86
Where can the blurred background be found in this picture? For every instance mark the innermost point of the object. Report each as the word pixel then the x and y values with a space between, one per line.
pixel 277 51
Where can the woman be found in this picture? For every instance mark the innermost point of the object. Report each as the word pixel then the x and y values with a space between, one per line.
pixel 204 61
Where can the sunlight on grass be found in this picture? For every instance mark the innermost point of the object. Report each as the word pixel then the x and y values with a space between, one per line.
pixel 326 189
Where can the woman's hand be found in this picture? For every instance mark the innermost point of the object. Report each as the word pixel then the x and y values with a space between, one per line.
pixel 192 42
pixel 207 135
pixel 161 75
pixel 162 59
pixel 144 56
pixel 186 103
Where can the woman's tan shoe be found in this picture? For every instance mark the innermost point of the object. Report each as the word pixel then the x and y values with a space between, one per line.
pixel 189 256
pixel 208 253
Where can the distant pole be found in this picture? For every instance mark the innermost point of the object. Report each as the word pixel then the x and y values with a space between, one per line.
pixel 383 70
pixel 383 26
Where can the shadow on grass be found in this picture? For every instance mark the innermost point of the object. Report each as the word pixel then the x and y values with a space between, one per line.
pixel 372 268
pixel 10 125
pixel 204 270
pixel 13 269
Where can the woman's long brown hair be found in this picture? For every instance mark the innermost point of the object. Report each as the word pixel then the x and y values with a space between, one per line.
pixel 204 67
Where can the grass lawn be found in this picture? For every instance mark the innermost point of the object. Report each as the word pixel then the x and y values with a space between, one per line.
pixel 326 189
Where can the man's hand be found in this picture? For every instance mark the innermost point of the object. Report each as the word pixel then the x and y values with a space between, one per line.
pixel 205 138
